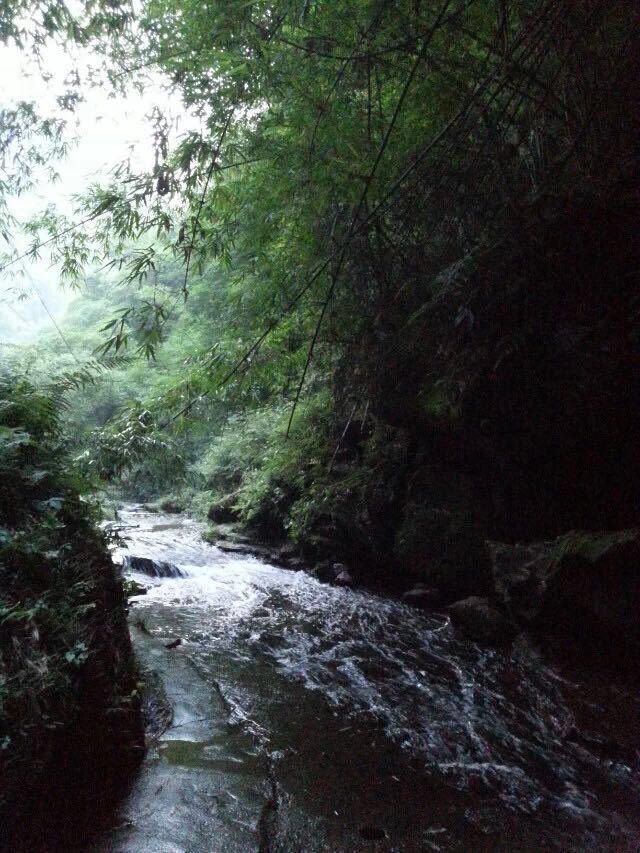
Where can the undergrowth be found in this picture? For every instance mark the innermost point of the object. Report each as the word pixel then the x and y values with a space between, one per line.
pixel 59 602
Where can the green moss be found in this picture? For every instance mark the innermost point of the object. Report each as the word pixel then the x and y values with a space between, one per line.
pixel 438 402
pixel 591 546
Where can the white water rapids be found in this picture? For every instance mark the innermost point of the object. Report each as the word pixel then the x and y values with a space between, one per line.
pixel 313 718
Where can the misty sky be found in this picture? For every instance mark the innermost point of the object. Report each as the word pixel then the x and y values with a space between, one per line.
pixel 106 129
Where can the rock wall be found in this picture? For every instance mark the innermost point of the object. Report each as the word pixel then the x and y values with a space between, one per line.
pixel 77 770
pixel 509 405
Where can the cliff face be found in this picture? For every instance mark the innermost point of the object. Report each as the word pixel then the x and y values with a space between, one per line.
pixel 536 389
pixel 506 408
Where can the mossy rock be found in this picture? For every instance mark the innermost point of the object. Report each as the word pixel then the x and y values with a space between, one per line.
pixel 172 506
pixel 583 583
pixel 224 510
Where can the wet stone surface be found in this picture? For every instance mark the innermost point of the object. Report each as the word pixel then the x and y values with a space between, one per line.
pixel 308 717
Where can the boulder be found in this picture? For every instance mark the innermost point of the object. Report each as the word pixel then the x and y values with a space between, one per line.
pixel 154 568
pixel 329 572
pixel 479 620
pixel 223 511
pixel 520 574
pixel 249 548
pixel 441 542
pixel 287 551
pixel 583 583
pixel 422 596
pixel 228 532
pixel 343 578
pixel 171 507
pixel 324 571
pixel 287 556
pixel 284 555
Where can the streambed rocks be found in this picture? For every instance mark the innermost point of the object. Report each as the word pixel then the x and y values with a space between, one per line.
pixel 285 555
pixel 481 621
pixel 153 568
pixel 223 511
pixel 231 540
pixel 344 577
pixel 357 710
pixel 172 507
pixel 583 583
pixel 422 596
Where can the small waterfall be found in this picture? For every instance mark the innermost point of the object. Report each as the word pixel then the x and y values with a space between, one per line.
pixel 153 568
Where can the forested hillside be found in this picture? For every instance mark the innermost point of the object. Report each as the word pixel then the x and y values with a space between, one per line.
pixel 386 295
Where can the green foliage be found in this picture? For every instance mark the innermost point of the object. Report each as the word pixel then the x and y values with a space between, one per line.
pixel 52 568
pixel 315 250
pixel 239 451
pixel 130 444
pixel 272 476
pixel 343 146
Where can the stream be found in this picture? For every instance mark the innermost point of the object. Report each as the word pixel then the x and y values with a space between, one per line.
pixel 307 717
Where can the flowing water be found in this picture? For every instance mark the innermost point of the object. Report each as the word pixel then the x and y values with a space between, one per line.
pixel 313 718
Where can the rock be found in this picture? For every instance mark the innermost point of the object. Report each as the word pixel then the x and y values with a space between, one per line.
pixel 171 507
pixel 372 833
pixel 223 511
pixel 283 555
pixel 422 596
pixel 154 568
pixel 232 547
pixel 229 532
pixel 245 548
pixel 324 571
pixel 142 626
pixel 344 578
pixel 173 644
pixel 287 551
pixel 330 572
pixel 480 620
pixel 583 583
pixel 286 556
pixel 296 564
pixel 440 541
pixel 520 573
